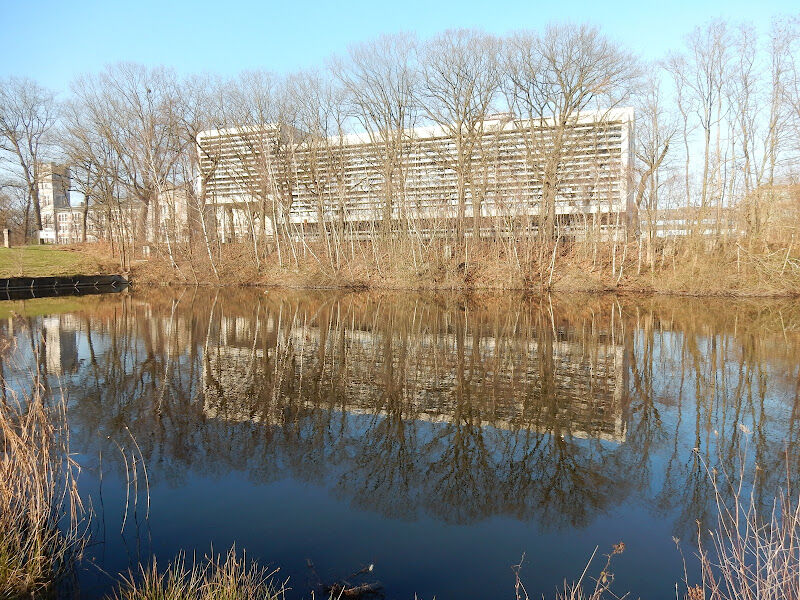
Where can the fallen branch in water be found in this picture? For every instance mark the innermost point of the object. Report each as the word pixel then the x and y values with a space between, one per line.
pixel 341 590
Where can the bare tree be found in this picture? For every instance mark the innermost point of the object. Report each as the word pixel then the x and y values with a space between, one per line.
pixel 380 78
pixel 553 78
pixel 654 133
pixel 91 151
pixel 136 110
pixel 263 141
pixel 700 76
pixel 460 81
pixel 786 40
pixel 28 113
pixel 80 144
pixel 790 33
pixel 200 97
pixel 755 91
pixel 321 159
pixel 13 207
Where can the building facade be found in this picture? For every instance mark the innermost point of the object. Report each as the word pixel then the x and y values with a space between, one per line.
pixel 261 179
pixel 62 223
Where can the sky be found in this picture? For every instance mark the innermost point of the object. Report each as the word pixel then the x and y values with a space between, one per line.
pixel 54 41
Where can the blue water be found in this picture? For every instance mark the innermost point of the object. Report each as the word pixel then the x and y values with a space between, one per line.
pixel 440 440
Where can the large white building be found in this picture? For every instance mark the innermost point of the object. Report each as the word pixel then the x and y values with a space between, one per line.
pixel 255 178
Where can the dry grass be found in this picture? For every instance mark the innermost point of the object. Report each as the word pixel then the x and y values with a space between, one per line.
pixel 215 577
pixel 679 266
pixel 42 532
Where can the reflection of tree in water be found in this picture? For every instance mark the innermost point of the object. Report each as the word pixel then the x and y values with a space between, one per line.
pixel 716 389
pixel 645 424
pixel 542 412
pixel 383 470
pixel 462 484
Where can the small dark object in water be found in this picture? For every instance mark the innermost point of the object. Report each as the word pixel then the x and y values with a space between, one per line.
pixel 346 589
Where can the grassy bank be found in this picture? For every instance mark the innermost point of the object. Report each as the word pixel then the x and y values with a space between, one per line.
pixel 49 261
pixel 690 267
pixel 671 267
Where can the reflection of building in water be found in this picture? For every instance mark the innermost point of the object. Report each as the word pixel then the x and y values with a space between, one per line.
pixel 229 380
pixel 570 386
pixel 229 368
pixel 61 343
pixel 168 330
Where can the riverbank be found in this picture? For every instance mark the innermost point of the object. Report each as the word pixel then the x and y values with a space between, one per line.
pixel 677 268
pixel 674 268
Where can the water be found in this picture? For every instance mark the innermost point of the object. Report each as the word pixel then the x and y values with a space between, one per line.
pixel 441 439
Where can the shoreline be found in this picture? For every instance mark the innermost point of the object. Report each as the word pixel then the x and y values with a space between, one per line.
pixel 620 291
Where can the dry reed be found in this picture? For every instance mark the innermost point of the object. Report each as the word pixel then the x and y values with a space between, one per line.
pixel 680 266
pixel 581 589
pixel 749 554
pixel 43 526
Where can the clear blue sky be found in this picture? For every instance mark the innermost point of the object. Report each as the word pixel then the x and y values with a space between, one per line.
pixel 52 41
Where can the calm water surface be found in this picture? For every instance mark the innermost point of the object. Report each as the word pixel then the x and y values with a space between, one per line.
pixel 438 438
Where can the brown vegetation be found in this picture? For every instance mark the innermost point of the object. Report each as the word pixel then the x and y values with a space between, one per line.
pixel 682 266
pixel 42 532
